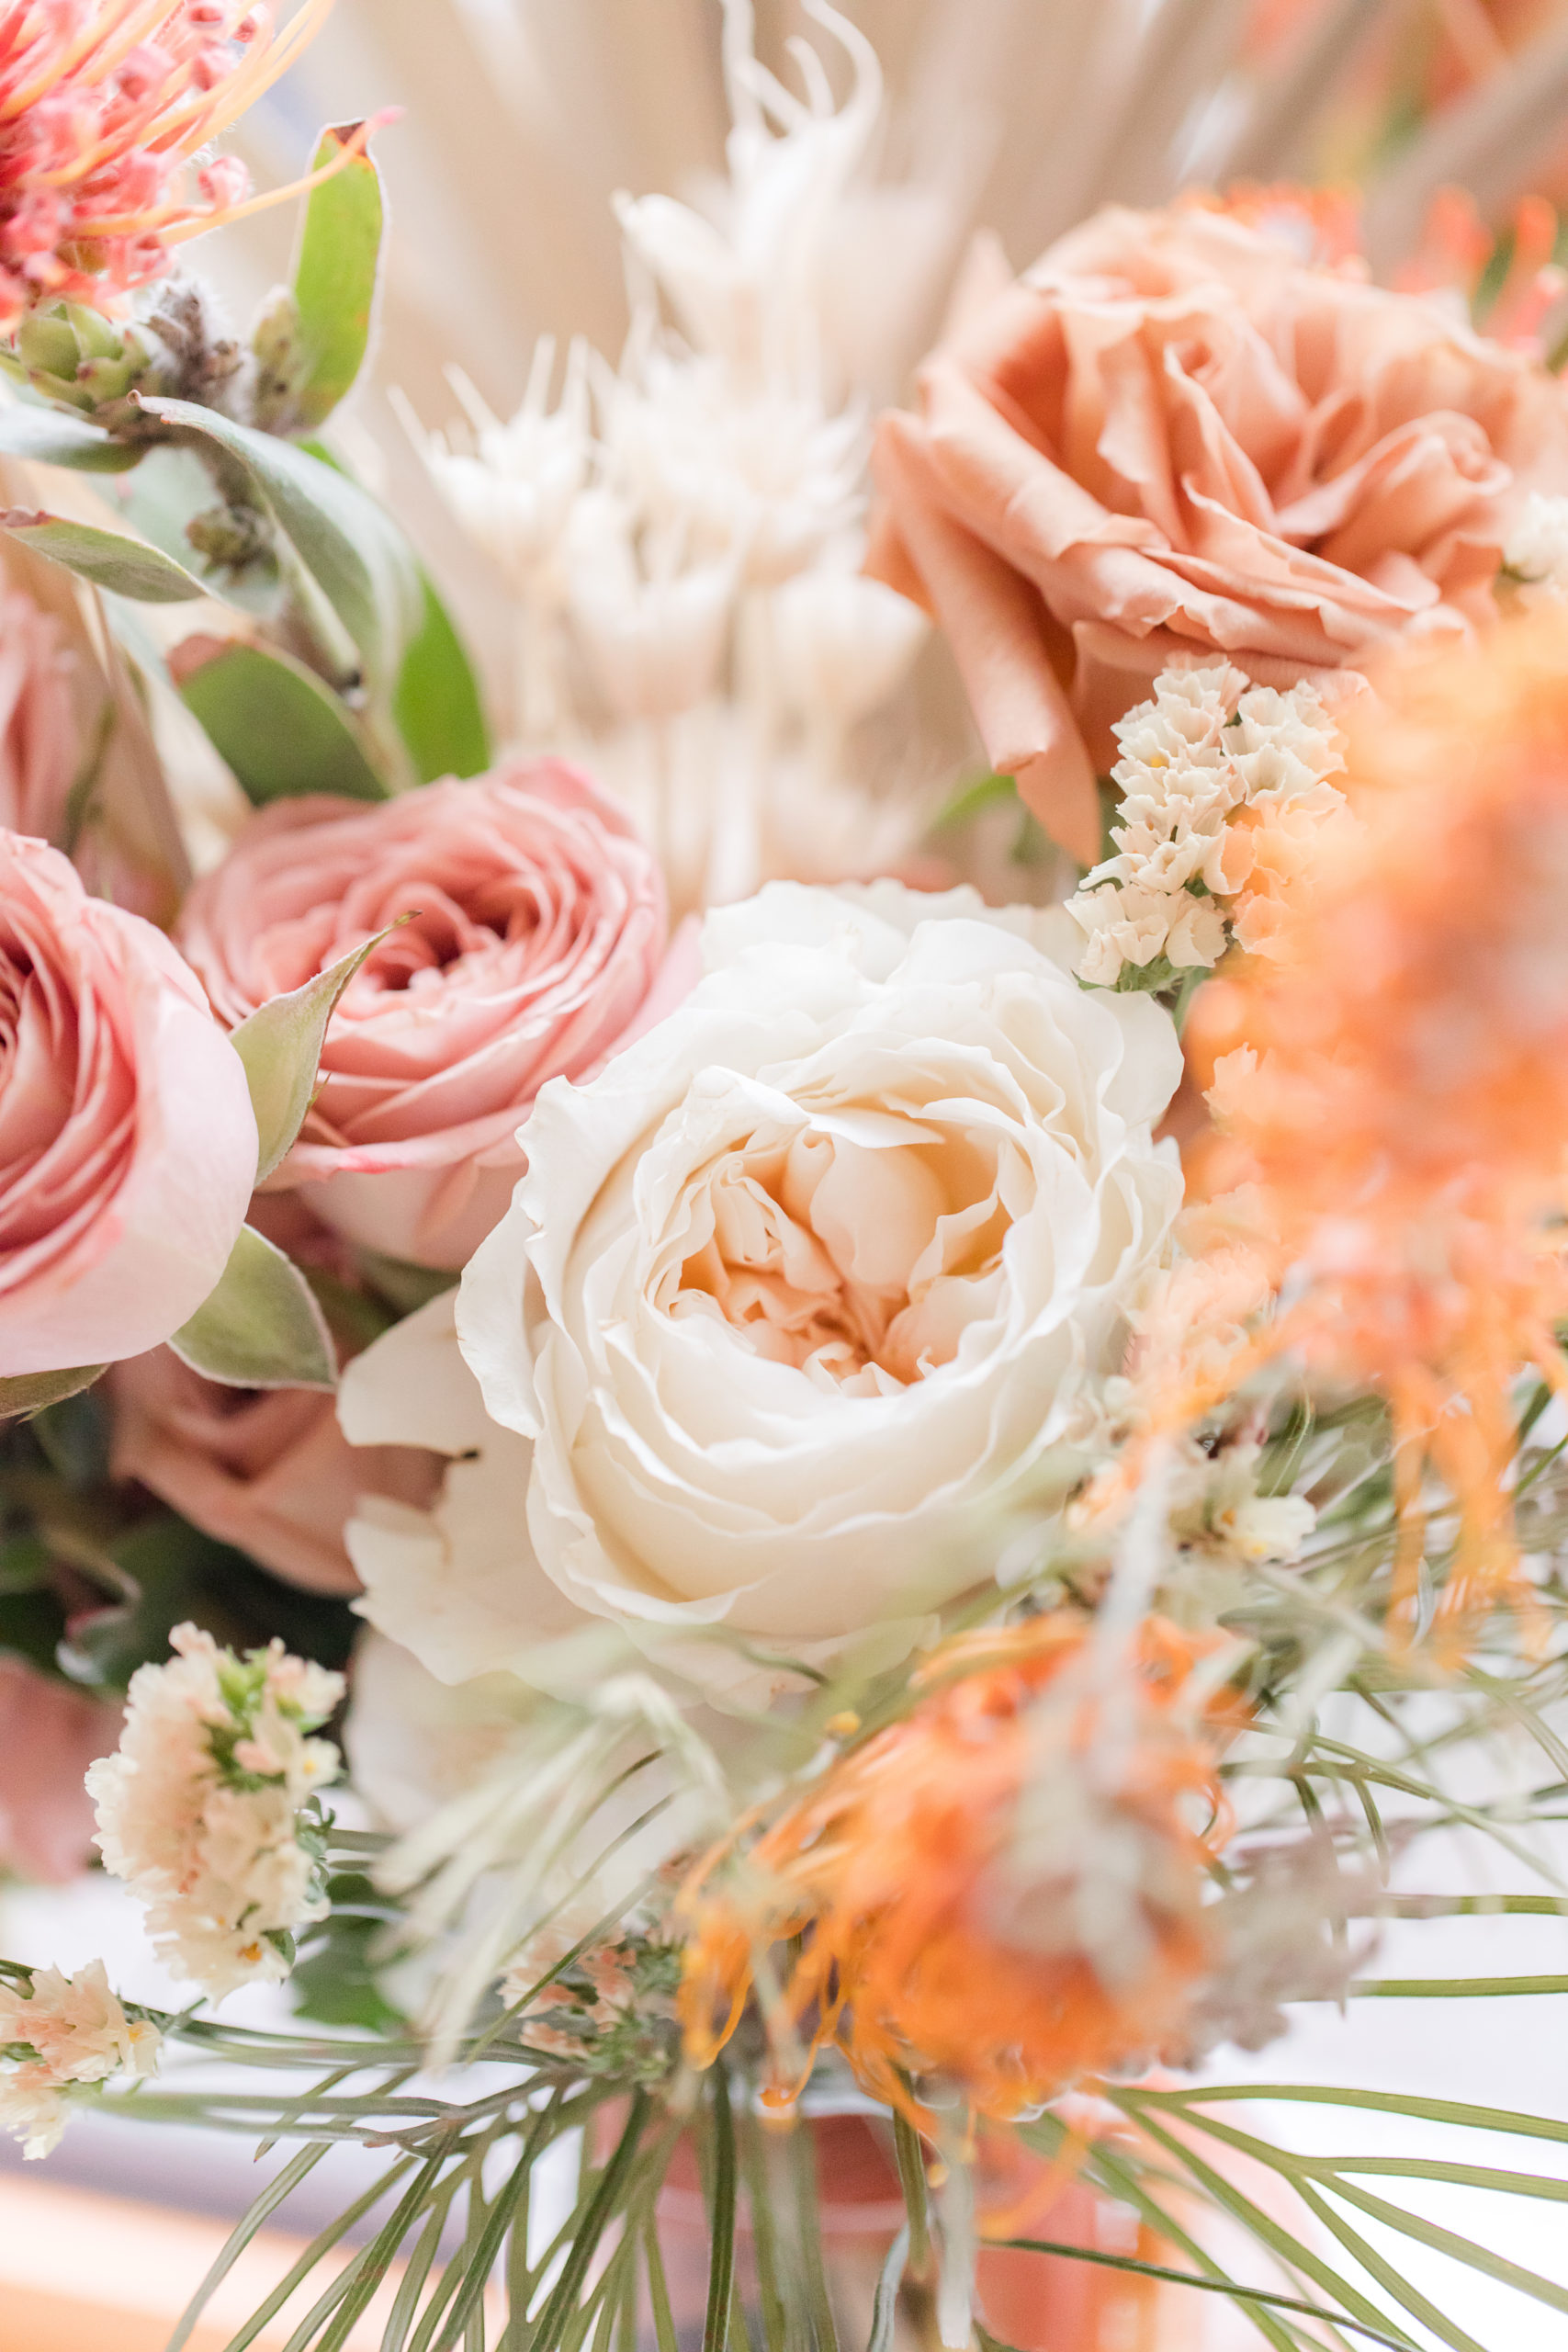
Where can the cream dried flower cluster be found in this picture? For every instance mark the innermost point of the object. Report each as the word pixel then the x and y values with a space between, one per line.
pixel 683 533
pixel 61 2037
pixel 1225 788
pixel 206 1809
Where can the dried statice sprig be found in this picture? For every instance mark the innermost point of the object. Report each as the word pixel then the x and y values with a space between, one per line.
pixel 1535 560
pixel 568 1822
pixel 605 2005
pixel 208 1808
pixel 1225 789
pixel 61 2039
pixel 1281 1935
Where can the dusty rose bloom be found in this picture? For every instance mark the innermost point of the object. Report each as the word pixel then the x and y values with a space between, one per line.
pixel 48 1736
pixel 266 1470
pixel 1174 436
pixel 537 934
pixel 128 1145
pixel 39 743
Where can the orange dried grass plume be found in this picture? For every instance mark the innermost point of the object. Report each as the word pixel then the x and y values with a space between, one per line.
pixel 1407 1120
pixel 926 1945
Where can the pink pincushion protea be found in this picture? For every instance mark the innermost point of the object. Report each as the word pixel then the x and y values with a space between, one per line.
pixel 103 105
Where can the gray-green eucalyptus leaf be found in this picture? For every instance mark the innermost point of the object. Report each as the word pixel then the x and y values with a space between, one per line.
pixel 280 1046
pixel 354 551
pixel 107 558
pixel 261 1327
pixel 30 1392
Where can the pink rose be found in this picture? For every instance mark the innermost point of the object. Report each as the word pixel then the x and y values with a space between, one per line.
pixel 40 745
pixel 128 1145
pixel 48 1736
pixel 538 932
pixel 266 1470
pixel 1175 436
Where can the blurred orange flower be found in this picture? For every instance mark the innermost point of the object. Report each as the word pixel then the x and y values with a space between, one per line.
pixel 1003 1889
pixel 1395 1080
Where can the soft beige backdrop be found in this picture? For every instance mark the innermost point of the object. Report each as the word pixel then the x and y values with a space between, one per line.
pixel 523 117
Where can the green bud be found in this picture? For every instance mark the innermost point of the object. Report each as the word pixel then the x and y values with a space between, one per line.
pixel 48 346
pixel 281 365
pixel 95 337
pixel 233 536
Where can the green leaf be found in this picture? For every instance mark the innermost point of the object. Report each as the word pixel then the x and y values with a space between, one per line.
pixel 335 276
pixel 338 1981
pixel 276 724
pixel 72 1435
pixel 49 436
pixel 280 1046
pixel 105 557
pixel 30 1392
pixel 884 2307
pixel 261 1327
pixel 721 2231
pixel 169 1572
pixel 437 707
pixel 353 551
pixel 1140 2269
pixel 33 1626
pixel 265 2205
pixel 972 799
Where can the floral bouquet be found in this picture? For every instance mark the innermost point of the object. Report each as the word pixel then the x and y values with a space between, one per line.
pixel 788 1443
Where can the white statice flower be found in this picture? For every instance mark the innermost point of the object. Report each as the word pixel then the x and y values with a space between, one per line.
pixel 60 2035
pixel 1137 923
pixel 1217 1509
pixel 1225 787
pixel 206 1808
pixel 1535 556
pixel 794 1300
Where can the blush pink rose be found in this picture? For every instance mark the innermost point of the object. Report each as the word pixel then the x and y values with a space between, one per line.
pixel 266 1470
pixel 1173 436
pixel 536 938
pixel 40 746
pixel 48 1736
pixel 128 1145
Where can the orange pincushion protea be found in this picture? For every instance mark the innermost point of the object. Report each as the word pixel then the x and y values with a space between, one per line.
pixel 103 106
pixel 1002 1890
pixel 1408 1117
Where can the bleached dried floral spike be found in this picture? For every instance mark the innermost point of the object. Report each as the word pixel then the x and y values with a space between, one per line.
pixel 61 2036
pixel 207 1809
pixel 681 532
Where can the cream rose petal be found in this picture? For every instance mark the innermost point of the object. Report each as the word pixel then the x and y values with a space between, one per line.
pixel 801 1286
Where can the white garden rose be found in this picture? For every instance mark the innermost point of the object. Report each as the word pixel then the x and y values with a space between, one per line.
pixel 795 1298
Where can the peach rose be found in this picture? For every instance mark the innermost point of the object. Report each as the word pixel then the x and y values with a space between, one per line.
pixel 128 1145
pixel 537 931
pixel 266 1470
pixel 48 1736
pixel 1173 436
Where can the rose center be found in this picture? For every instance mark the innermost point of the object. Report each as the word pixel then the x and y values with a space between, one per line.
pixel 847 1253
pixel 37 1066
pixel 448 925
